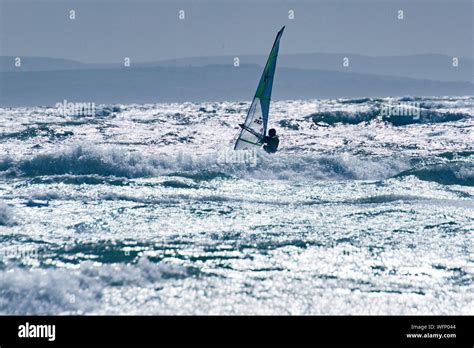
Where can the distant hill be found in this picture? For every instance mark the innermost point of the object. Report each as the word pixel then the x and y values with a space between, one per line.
pixel 207 83
pixel 425 66
pixel 7 63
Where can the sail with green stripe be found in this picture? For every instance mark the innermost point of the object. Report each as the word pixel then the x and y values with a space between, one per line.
pixel 255 126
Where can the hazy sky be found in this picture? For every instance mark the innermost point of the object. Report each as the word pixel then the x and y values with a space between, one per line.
pixel 108 30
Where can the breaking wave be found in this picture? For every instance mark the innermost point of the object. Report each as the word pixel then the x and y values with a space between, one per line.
pixel 455 173
pixel 356 117
pixel 109 162
pixel 344 117
pixel 104 165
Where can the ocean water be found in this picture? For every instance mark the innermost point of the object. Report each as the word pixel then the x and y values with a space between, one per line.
pixel 144 209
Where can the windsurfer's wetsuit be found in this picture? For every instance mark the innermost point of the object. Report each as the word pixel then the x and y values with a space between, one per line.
pixel 270 143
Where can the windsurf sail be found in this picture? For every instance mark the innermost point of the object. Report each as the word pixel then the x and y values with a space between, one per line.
pixel 255 126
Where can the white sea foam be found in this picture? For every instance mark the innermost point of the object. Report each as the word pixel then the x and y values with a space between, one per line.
pixel 6 215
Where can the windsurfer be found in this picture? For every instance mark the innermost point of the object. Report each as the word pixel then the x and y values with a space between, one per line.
pixel 271 141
